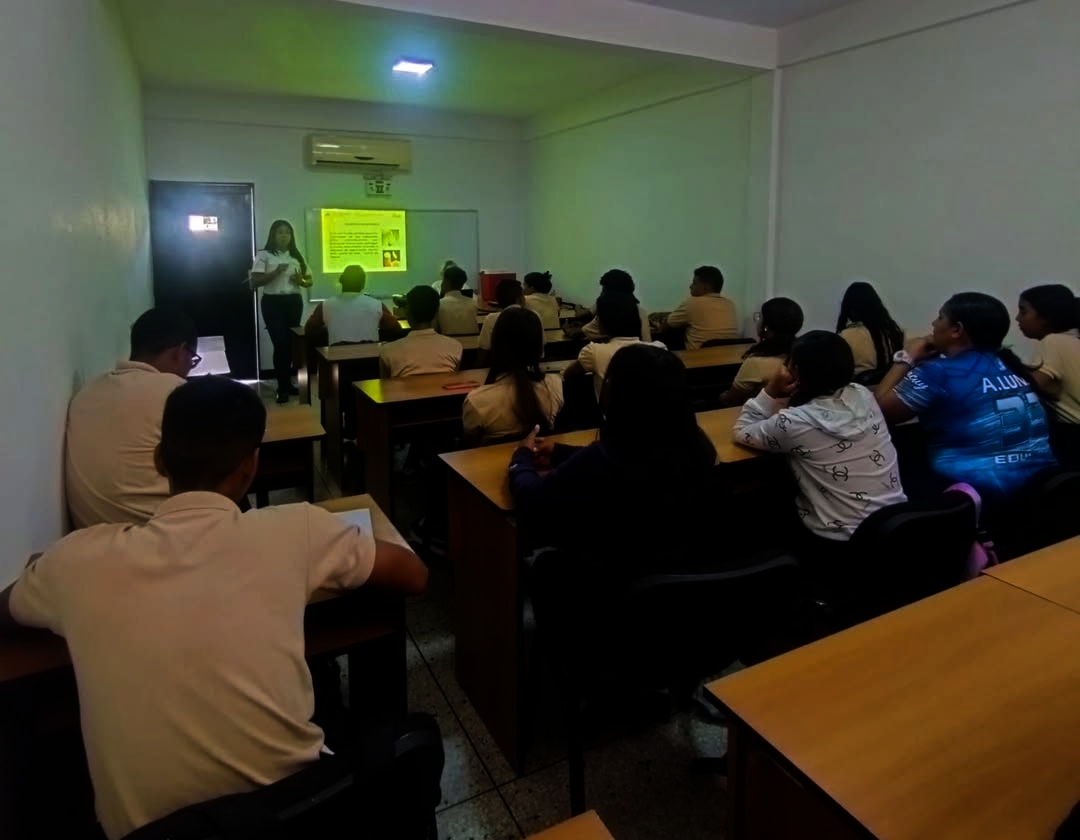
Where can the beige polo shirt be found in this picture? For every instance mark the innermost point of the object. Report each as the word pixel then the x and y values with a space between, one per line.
pixel 754 374
pixel 187 637
pixel 547 307
pixel 1058 357
pixel 113 427
pixel 489 409
pixel 593 332
pixel 705 317
pixel 488 328
pixel 457 315
pixel 595 357
pixel 421 351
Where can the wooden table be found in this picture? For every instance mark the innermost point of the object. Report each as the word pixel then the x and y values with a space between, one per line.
pixel 366 626
pixel 1052 573
pixel 729 355
pixel 483 549
pixel 953 718
pixel 305 357
pixel 386 407
pixel 287 454
pixel 587 826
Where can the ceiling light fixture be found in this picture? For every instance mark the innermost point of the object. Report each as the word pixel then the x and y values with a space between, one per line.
pixel 416 68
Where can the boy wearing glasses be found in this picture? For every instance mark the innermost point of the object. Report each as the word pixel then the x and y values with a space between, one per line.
pixel 114 424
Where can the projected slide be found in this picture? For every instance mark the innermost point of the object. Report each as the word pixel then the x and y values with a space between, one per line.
pixel 374 239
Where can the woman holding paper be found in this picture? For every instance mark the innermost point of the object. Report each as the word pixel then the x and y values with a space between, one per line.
pixel 281 272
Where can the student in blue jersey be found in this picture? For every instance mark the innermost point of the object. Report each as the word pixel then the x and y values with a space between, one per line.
pixel 983 421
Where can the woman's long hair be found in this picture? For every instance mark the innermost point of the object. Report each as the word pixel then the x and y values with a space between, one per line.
pixel 294 252
pixel 783 318
pixel 517 344
pixel 823 364
pixel 986 322
pixel 862 305
pixel 649 425
pixel 1055 304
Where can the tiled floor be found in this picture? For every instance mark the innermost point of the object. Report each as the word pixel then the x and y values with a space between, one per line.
pixel 639 774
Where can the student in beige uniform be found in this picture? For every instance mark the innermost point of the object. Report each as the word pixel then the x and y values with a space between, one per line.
pixel 778 324
pixel 619 282
pixel 1051 315
pixel 423 350
pixel 618 316
pixel 114 424
pixel 457 313
pixel 517 395
pixel 186 633
pixel 868 328
pixel 352 317
pixel 706 314
pixel 539 299
pixel 508 293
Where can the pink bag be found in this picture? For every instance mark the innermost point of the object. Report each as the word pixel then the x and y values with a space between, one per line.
pixel 982 554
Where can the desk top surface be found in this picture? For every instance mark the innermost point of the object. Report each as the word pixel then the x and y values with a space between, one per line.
pixel 587 826
pixel 1052 573
pixel 29 652
pixel 728 355
pixel 352 352
pixel 485 468
pixel 292 422
pixel 953 718
pixel 428 386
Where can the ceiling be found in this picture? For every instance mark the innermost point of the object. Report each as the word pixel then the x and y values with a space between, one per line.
pixel 773 13
pixel 324 48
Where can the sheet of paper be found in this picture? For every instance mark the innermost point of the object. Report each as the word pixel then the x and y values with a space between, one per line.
pixel 360 518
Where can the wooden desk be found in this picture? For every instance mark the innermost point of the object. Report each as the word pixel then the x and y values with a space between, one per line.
pixel 730 355
pixel 305 358
pixel 1052 573
pixel 953 718
pixel 385 406
pixel 366 626
pixel 584 827
pixel 483 549
pixel 287 456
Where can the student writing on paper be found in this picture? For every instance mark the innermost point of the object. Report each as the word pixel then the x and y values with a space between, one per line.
pixel 517 394
pixel 423 350
pixel 186 633
pixel 352 317
pixel 778 323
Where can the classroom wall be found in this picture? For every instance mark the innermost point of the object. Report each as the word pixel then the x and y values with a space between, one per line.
pixel 459 162
pixel 654 188
pixel 74 240
pixel 942 160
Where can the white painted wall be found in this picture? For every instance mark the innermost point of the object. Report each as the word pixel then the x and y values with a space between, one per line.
pixel 75 241
pixel 940 161
pixel 656 190
pixel 459 162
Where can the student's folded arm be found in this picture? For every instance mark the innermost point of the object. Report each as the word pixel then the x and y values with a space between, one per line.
pixel 760 425
pixel 398 569
pixel 1046 384
pixel 680 317
pixel 893 408
pixel 35 603
pixel 342 556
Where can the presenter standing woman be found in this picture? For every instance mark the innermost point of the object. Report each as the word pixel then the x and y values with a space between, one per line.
pixel 281 272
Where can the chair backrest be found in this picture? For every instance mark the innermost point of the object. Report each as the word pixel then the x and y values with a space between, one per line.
pixel 665 629
pixel 909 551
pixel 1042 514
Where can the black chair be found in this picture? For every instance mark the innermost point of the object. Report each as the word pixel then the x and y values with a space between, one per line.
pixel 900 555
pixel 658 631
pixel 723 342
pixel 1042 514
pixel 390 790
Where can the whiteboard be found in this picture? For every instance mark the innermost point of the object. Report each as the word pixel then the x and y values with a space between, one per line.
pixel 433 236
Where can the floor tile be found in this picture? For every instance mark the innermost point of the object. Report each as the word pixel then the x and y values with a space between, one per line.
pixel 464 775
pixel 483 818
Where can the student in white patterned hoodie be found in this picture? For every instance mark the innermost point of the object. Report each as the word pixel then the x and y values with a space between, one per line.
pixel 834 435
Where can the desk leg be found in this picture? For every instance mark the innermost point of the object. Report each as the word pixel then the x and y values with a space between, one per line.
pixel 373 439
pixel 309 473
pixel 302 363
pixel 487 613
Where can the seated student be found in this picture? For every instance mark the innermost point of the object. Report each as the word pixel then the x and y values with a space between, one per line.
pixel 186 633
pixel 114 423
pixel 423 350
pixel 866 325
pixel 517 394
pixel 1051 316
pixel 508 293
pixel 618 317
pixel 352 317
pixel 706 314
pixel 983 422
pixel 651 462
pixel 457 313
pixel 779 322
pixel 832 431
pixel 539 299
pixel 438 284
pixel 617 281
